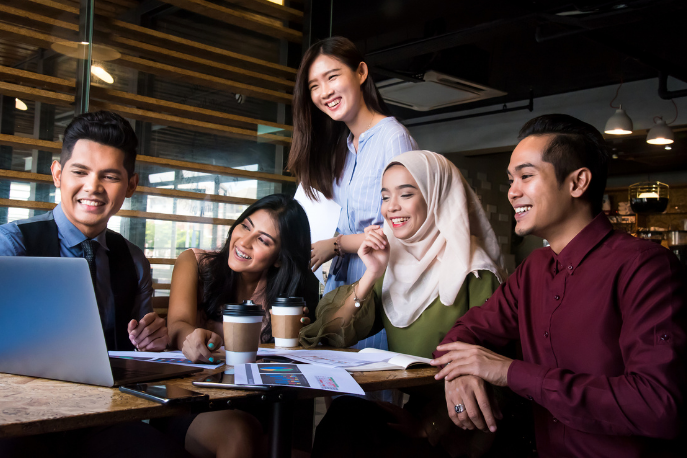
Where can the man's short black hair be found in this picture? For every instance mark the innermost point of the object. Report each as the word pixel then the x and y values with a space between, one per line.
pixel 104 127
pixel 575 144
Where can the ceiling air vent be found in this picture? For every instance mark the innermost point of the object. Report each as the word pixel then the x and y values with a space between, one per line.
pixel 436 91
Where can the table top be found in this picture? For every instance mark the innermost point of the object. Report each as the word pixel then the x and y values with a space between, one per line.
pixel 30 405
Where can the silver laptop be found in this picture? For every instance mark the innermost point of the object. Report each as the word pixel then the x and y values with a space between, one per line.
pixel 50 326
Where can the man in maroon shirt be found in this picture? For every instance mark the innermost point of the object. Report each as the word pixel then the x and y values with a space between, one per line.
pixel 600 315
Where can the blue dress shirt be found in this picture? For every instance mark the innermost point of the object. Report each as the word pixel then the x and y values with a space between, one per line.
pixel 12 244
pixel 359 191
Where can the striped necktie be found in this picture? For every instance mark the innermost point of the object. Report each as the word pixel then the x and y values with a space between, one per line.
pixel 89 249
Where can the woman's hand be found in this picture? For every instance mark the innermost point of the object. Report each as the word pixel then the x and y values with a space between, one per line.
pixel 374 251
pixel 321 252
pixel 200 344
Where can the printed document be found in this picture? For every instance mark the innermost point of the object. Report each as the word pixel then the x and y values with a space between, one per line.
pixel 297 375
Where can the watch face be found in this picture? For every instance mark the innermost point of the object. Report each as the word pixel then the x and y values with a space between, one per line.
pixel 357 303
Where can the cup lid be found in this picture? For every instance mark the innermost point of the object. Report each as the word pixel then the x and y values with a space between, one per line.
pixel 246 308
pixel 283 301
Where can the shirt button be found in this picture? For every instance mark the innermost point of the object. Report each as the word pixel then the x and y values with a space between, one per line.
pixel 530 398
pixel 556 297
pixel 570 267
pixel 665 337
pixel 546 333
pixel 555 420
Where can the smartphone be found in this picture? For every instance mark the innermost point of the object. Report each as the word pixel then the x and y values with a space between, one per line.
pixel 164 394
pixel 226 380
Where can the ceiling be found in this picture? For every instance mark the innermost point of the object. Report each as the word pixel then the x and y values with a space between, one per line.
pixel 548 47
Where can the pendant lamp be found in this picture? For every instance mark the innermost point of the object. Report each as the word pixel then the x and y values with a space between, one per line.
pixel 619 124
pixel 660 134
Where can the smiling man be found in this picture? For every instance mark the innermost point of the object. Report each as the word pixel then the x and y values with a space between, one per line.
pixel 600 314
pixel 95 174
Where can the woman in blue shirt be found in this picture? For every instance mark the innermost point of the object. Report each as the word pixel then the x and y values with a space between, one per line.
pixel 343 137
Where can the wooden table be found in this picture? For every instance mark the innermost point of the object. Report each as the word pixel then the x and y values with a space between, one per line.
pixel 31 405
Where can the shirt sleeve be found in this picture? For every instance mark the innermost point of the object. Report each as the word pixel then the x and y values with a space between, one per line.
pixel 494 324
pixel 143 302
pixel 647 398
pixel 11 241
pixel 328 330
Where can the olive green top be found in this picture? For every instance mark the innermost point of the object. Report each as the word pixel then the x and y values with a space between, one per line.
pixel 420 338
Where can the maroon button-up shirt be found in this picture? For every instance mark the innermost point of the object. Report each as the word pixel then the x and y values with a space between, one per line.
pixel 602 328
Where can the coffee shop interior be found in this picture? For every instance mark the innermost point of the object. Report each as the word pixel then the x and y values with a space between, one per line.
pixel 208 84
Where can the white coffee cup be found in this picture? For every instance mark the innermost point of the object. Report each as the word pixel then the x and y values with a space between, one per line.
pixel 286 320
pixel 242 324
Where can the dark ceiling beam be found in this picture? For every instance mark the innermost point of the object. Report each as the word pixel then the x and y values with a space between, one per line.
pixel 641 53
pixel 446 41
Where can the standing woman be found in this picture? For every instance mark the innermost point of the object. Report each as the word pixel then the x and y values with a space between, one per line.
pixel 343 137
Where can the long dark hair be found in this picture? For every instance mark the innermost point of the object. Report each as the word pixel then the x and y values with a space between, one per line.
pixel 218 280
pixel 315 135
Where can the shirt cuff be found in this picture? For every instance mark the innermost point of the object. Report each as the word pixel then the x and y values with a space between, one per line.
pixel 526 379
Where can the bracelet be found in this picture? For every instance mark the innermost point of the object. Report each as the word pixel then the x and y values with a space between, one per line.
pixel 338 249
pixel 358 302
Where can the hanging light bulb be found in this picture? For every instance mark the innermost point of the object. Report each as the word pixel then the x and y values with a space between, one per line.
pixel 619 124
pixel 102 74
pixel 660 134
pixel 19 105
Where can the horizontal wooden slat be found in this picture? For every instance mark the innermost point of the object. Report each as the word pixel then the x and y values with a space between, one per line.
pixel 238 19
pixel 172 41
pixel 188 111
pixel 30 143
pixel 31 205
pixel 188 60
pixel 270 9
pixel 44 145
pixel 191 124
pixel 25 176
pixel 28 18
pixel 161 286
pixel 35 79
pixel 29 177
pixel 55 98
pixel 169 71
pixel 38 95
pixel 177 194
pixel 163 261
pixel 202 114
pixel 218 169
pixel 166 71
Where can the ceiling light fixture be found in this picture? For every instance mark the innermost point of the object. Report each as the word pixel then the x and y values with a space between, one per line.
pixel 620 123
pixel 19 105
pixel 102 74
pixel 661 133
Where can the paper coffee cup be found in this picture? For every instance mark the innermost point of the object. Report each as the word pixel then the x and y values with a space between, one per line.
pixel 286 320
pixel 242 325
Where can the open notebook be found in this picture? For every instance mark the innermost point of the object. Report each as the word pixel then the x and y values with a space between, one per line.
pixel 396 361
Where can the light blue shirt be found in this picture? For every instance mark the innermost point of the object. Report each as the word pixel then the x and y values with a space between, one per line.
pixel 12 244
pixel 359 191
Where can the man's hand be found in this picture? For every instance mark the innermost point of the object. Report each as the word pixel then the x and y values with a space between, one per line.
pixel 149 334
pixel 481 410
pixel 200 344
pixel 404 421
pixel 469 359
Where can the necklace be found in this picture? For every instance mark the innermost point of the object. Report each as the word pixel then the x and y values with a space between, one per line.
pixel 373 118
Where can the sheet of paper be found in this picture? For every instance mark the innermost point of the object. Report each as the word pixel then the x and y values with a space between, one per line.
pixel 323 216
pixel 297 375
pixel 169 357
pixel 330 358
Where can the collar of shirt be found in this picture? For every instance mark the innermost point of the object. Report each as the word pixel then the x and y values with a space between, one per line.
pixel 365 136
pixel 577 249
pixel 70 234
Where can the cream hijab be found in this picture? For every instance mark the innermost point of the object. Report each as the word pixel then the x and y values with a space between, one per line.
pixel 455 240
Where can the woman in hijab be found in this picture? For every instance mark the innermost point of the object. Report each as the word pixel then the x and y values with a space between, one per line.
pixel 436 257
